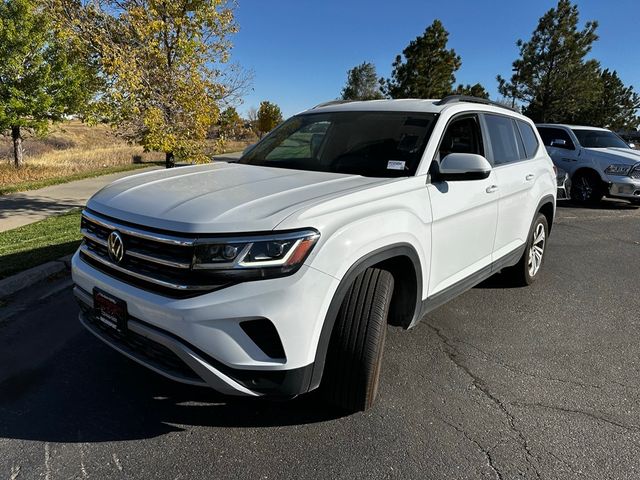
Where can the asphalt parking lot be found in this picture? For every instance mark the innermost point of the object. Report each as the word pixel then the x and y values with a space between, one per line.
pixel 538 382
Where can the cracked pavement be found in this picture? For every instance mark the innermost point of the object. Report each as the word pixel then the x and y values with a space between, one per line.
pixel 501 383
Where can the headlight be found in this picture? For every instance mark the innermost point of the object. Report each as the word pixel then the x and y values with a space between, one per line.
pixel 617 169
pixel 254 257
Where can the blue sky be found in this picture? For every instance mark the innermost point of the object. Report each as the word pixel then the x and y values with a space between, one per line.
pixel 300 50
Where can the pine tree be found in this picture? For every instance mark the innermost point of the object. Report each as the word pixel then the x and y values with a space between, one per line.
pixel 362 83
pixel 426 68
pixel 615 107
pixel 476 90
pixel 552 76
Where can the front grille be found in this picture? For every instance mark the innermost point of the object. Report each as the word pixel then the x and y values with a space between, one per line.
pixel 147 350
pixel 154 261
pixel 635 173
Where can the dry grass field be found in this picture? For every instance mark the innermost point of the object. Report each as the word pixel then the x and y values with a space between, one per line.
pixel 71 151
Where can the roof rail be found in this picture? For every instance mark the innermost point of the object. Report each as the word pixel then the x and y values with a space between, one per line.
pixel 332 102
pixel 466 98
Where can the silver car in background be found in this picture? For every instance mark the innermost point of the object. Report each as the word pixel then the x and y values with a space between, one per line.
pixel 597 161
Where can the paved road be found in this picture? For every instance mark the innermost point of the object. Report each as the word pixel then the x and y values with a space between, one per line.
pixel 501 383
pixel 22 208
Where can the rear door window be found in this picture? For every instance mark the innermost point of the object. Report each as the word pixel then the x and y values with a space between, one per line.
pixel 506 144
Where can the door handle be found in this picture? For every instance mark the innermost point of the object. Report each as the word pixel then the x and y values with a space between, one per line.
pixel 492 189
pixel 529 177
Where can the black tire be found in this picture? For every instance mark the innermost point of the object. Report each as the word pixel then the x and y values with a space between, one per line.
pixel 586 187
pixel 352 372
pixel 522 274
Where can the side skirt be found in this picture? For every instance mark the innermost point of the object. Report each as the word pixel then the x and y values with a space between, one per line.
pixel 449 293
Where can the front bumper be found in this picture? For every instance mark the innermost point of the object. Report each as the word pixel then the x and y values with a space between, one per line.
pixel 203 336
pixel 624 187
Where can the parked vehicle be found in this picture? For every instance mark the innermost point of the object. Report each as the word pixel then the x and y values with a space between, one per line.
pixel 598 161
pixel 278 274
pixel 564 184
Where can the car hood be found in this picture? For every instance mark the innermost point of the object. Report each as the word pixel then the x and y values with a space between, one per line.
pixel 626 156
pixel 220 197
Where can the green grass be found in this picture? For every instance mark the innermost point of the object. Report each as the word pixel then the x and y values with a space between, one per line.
pixel 39 242
pixel 35 184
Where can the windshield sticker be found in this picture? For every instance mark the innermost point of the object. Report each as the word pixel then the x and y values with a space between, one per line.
pixel 395 165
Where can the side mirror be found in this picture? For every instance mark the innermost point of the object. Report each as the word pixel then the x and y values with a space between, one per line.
pixel 464 166
pixel 632 145
pixel 559 143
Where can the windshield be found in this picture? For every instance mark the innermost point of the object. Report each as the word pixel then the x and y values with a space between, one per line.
pixel 599 139
pixel 371 144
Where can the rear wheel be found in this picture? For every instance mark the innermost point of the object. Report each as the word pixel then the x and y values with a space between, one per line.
pixel 352 371
pixel 586 187
pixel 525 272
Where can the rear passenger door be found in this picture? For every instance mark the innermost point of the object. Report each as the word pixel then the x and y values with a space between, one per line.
pixel 514 149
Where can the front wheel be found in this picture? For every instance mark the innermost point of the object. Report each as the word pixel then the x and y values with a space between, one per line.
pixel 586 187
pixel 526 271
pixel 352 372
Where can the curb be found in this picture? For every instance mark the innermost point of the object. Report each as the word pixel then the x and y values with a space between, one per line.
pixel 27 278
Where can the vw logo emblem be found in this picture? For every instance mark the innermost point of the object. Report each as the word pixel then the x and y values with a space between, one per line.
pixel 115 247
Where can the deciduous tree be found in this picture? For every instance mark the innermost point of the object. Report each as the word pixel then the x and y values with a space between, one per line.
pixel 269 116
pixel 43 78
pixel 163 60
pixel 230 122
pixel 426 68
pixel 362 83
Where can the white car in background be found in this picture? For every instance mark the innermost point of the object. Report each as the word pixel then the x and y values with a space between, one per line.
pixel 599 162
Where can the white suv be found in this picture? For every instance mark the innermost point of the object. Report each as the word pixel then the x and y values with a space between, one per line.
pixel 598 161
pixel 278 274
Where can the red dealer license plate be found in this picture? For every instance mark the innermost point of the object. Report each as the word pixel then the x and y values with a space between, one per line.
pixel 109 310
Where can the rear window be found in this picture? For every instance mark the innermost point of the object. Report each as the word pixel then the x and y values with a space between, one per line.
pixel 528 138
pixel 371 144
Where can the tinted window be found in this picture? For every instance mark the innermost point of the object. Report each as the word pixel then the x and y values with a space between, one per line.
pixel 375 144
pixel 505 140
pixel 462 136
pixel 550 134
pixel 528 138
pixel 599 139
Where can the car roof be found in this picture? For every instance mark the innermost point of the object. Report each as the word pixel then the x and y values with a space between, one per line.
pixel 572 127
pixel 456 103
pixel 386 105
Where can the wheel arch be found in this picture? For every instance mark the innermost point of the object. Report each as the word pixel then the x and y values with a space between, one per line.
pixel 588 170
pixel 403 262
pixel 547 207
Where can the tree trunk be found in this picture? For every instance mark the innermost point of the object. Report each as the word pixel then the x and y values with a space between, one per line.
pixel 169 160
pixel 18 151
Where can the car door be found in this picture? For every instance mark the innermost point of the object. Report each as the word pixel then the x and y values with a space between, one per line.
pixel 465 212
pixel 516 167
pixel 561 148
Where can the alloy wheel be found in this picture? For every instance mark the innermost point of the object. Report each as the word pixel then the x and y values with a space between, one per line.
pixel 536 251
